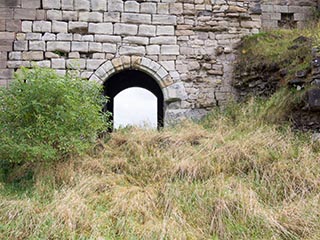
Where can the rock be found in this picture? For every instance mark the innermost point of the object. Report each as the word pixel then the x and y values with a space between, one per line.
pixel 313 96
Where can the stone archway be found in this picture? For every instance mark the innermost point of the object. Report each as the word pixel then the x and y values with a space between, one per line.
pixel 171 91
pixel 126 79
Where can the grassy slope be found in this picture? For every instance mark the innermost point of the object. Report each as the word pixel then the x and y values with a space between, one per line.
pixel 233 176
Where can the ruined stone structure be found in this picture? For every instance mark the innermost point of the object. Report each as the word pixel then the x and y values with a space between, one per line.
pixel 186 46
pixel 287 13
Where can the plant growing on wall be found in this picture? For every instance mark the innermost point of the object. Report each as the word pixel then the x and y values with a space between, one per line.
pixel 46 117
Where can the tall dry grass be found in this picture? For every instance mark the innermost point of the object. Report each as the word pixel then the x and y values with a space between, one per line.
pixel 233 176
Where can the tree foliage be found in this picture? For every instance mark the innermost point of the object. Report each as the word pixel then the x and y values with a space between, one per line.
pixel 46 117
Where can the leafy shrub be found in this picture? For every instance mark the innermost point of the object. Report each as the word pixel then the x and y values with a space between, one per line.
pixel 45 116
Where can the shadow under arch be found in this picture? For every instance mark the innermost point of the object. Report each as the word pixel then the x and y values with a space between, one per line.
pixel 133 78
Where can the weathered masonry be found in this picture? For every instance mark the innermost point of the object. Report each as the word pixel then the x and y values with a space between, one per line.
pixel 187 47
pixel 287 13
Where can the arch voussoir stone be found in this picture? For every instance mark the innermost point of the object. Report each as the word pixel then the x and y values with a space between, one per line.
pixel 154 69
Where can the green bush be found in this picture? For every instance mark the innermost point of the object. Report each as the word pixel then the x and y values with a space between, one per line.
pixel 46 117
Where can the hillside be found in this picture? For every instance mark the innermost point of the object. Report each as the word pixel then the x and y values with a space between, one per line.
pixel 233 176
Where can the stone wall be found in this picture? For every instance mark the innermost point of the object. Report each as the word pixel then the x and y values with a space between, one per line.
pixel 188 44
pixel 287 13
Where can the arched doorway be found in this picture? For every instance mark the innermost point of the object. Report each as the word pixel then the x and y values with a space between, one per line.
pixel 133 78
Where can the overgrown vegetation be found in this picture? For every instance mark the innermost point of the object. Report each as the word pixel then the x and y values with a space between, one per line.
pixel 282 49
pixel 235 175
pixel 46 117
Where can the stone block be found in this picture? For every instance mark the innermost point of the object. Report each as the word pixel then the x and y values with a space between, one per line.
pixel 33 56
pixel 33 36
pixel 95 47
pixel 314 99
pixel 281 8
pixel 41 14
pixel 170 50
pixel 136 40
pixel 163 8
pixel 168 65
pixel 267 8
pixel 147 30
pixel 270 24
pixel 125 29
pixel 109 48
pixel 165 30
pixel 54 15
pixel 83 38
pixel 24 14
pixel 82 5
pixel 98 55
pixel 69 15
pixel 59 46
pixel 300 17
pixel 64 36
pixel 7 36
pixel 93 64
pixel 37 45
pixel 50 55
pixel 148 7
pixel 48 37
pixel 6 73
pixel 130 50
pixel 18 64
pixel 111 17
pixel 115 6
pixel 13 25
pixel 76 63
pixel 101 28
pixel 74 55
pixel 20 45
pixel 26 26
pixel 67 4
pixel 59 27
pixel 135 18
pixel 107 38
pixel 6 13
pixel 5 45
pixel 153 49
pixel 131 6
pixel 20 36
pixel 41 26
pixel 78 27
pixel 51 4
pixel 99 5
pixel 15 56
pixel 10 3
pixel 163 40
pixel 79 46
pixel 34 4
pixel 58 63
pixel 176 8
pixel 90 16
pixel 44 63
pixel 164 19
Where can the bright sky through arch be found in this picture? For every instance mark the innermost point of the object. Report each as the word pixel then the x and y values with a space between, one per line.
pixel 135 106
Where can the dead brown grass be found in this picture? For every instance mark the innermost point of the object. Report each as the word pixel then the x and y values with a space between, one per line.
pixel 236 180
